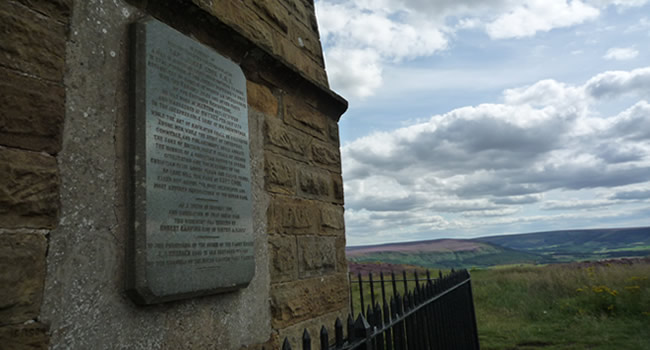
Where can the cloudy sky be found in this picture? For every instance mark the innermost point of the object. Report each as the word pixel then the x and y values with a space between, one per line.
pixel 479 117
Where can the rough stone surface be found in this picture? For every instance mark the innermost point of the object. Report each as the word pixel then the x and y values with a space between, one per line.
pixel 337 188
pixel 58 10
pixel 32 112
pixel 261 98
pixel 316 255
pixel 284 265
pixel 279 174
pixel 326 155
pixel 296 301
pixel 29 190
pixel 31 43
pixel 84 301
pixel 286 141
pixel 314 184
pixel 32 336
pixel 301 115
pixel 332 219
pixel 274 26
pixel 292 216
pixel 341 260
pixel 22 274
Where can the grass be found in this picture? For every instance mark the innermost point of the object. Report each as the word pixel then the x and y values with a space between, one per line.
pixel 569 306
pixel 564 307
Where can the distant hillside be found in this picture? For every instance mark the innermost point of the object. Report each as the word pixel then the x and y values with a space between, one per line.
pixel 572 245
pixel 532 248
pixel 443 253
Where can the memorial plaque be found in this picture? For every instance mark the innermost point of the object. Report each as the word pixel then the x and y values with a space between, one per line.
pixel 192 205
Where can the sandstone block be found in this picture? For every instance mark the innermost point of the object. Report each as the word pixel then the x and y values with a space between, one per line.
pixel 292 216
pixel 277 134
pixel 241 18
pixel 22 276
pixel 284 262
pixel 31 336
pixel 304 117
pixel 341 259
pixel 261 98
pixel 314 184
pixel 334 133
pixel 29 189
pixel 296 301
pixel 30 43
pixel 326 155
pixel 32 112
pixel 279 174
pixel 332 218
pixel 273 12
pixel 316 255
pixel 58 10
pixel 337 188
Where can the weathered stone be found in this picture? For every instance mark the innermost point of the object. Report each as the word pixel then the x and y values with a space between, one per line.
pixel 261 98
pixel 241 18
pixel 296 301
pixel 313 326
pixel 334 133
pixel 279 174
pixel 30 43
pixel 307 40
pixel 304 117
pixel 277 134
pixel 337 186
pixel 314 184
pixel 327 155
pixel 272 11
pixel 56 9
pixel 284 265
pixel 341 260
pixel 22 275
pixel 303 11
pixel 300 58
pixel 316 255
pixel 29 189
pixel 292 216
pixel 31 336
pixel 331 218
pixel 32 112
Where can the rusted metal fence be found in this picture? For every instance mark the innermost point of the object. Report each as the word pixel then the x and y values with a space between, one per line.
pixel 435 313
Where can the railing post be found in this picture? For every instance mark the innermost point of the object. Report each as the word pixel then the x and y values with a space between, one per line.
pixel 361 294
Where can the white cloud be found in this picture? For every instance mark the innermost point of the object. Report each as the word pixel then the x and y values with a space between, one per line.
pixel 490 163
pixel 361 37
pixel 540 16
pixel 621 53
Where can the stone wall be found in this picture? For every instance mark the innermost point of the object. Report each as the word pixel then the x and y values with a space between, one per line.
pixel 63 223
pixel 32 96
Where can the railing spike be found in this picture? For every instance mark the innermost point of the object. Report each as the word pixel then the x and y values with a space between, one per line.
pixel 351 326
pixel 286 345
pixel 324 339
pixel 338 332
pixel 306 340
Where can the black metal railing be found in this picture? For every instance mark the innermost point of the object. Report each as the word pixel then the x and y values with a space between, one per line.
pixel 432 314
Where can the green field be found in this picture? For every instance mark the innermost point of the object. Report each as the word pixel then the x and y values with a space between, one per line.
pixel 562 306
pixel 571 306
